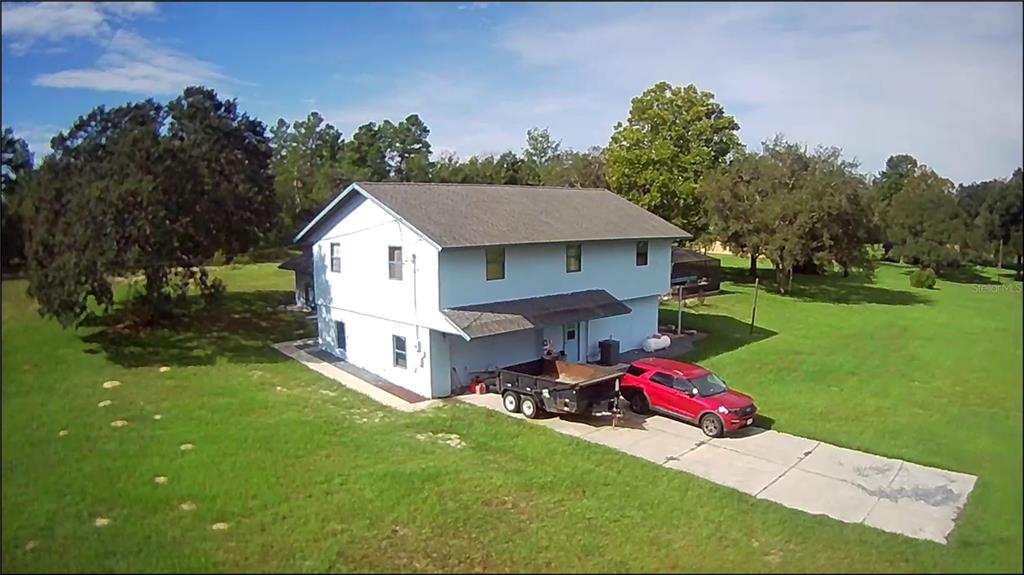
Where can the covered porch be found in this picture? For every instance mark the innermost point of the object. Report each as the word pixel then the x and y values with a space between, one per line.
pixel 514 331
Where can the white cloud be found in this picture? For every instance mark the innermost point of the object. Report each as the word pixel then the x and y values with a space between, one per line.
pixel 131 63
pixel 940 82
pixel 25 24
pixel 464 113
pixel 128 63
pixel 38 137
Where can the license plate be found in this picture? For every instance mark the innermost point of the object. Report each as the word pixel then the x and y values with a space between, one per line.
pixel 749 421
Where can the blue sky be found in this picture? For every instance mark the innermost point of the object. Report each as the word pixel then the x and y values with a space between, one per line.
pixel 942 82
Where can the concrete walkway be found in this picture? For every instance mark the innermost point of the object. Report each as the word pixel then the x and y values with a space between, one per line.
pixel 293 349
pixel 815 477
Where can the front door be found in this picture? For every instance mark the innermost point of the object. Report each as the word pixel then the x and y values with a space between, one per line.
pixel 571 341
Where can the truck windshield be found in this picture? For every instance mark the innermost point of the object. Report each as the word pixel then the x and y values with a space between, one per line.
pixel 708 385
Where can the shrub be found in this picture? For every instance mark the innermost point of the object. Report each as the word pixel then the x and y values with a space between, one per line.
pixel 923 278
pixel 218 259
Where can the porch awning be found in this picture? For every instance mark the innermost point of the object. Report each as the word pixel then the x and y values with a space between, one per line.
pixel 518 314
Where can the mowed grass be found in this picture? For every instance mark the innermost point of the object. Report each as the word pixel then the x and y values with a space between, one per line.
pixel 311 477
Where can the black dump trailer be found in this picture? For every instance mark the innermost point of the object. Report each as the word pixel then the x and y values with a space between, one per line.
pixel 548 385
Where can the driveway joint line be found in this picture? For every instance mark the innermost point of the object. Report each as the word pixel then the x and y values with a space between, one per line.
pixel 678 457
pixel 783 474
pixel 879 498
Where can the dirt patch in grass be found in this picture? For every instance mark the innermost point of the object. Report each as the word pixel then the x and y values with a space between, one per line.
pixel 518 506
pixel 449 439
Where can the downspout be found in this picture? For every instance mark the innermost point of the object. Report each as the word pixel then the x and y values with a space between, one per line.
pixel 416 311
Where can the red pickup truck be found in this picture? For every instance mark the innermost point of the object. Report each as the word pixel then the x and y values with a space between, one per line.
pixel 689 392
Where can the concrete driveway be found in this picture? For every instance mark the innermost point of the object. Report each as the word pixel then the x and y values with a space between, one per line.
pixel 815 477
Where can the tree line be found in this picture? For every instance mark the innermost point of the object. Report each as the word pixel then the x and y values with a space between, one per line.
pixel 157 190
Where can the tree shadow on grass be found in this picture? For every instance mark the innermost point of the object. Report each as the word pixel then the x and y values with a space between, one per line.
pixel 962 275
pixel 857 288
pixel 238 329
pixel 725 333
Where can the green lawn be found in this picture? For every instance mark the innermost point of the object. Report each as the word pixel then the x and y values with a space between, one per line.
pixel 309 481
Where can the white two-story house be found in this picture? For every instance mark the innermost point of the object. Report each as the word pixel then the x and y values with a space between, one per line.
pixel 427 285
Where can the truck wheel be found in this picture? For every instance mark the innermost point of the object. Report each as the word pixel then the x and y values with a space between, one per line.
pixel 529 407
pixel 510 401
pixel 711 425
pixel 638 403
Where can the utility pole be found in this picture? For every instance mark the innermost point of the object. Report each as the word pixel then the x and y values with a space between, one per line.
pixel 679 310
pixel 753 311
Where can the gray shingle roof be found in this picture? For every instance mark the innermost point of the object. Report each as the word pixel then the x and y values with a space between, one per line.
pixel 462 215
pixel 514 315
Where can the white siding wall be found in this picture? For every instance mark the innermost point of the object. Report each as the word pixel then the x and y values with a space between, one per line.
pixel 369 345
pixel 373 306
pixel 493 351
pixel 630 329
pixel 440 363
pixel 364 232
pixel 539 269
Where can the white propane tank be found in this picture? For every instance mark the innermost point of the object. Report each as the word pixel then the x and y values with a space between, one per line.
pixel 656 342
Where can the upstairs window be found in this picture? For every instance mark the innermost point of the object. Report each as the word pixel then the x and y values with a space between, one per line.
pixel 398 350
pixel 495 258
pixel 573 258
pixel 335 258
pixel 641 253
pixel 395 262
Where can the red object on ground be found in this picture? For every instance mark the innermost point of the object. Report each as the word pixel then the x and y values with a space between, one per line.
pixel 689 392
pixel 478 387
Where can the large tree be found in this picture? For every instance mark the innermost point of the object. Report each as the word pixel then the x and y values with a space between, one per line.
pixel 993 217
pixel 791 206
pixel 672 138
pixel 15 171
pixel 733 197
pixel 307 169
pixel 1000 217
pixel 150 189
pixel 408 150
pixel 924 222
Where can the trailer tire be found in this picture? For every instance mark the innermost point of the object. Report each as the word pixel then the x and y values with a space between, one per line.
pixel 510 401
pixel 528 405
